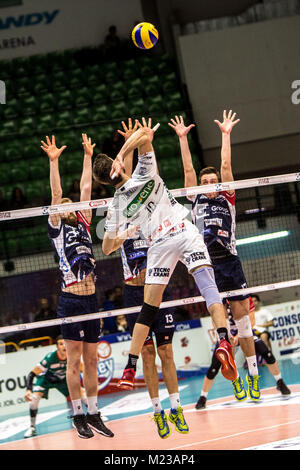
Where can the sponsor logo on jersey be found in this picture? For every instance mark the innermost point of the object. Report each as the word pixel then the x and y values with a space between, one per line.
pixel 217 222
pixel 220 209
pixel 139 199
pixel 140 244
pixel 223 233
pixel 142 170
pixel 137 254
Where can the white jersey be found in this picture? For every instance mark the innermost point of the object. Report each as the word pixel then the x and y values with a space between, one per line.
pixel 145 201
pixel 262 316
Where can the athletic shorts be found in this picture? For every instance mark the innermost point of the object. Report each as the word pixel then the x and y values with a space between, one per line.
pixel 229 275
pixel 43 385
pixel 184 244
pixel 163 327
pixel 71 305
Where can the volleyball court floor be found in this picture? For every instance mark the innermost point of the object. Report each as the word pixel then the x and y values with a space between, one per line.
pixel 225 424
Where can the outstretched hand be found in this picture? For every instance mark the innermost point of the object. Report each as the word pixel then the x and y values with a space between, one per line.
pixel 179 126
pixel 128 130
pixel 228 122
pixel 51 150
pixel 147 127
pixel 87 145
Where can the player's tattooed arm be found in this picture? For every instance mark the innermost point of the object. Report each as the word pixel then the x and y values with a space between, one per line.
pixel 54 153
pixel 226 127
pixel 112 241
pixel 190 177
pixel 86 180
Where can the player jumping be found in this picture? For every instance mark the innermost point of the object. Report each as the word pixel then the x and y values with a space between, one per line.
pixel 144 201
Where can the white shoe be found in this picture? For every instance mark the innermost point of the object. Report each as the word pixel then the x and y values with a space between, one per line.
pixel 31 432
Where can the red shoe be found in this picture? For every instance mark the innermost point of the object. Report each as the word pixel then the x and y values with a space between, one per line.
pixel 127 380
pixel 224 354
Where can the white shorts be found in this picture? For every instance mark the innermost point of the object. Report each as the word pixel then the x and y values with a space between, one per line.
pixel 185 244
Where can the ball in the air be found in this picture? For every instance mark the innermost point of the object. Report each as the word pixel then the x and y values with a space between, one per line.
pixel 144 35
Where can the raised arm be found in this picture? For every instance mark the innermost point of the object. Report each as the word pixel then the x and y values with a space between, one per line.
pixel 141 139
pixel 112 241
pixel 87 171
pixel 128 131
pixel 56 190
pixel 190 177
pixel 226 127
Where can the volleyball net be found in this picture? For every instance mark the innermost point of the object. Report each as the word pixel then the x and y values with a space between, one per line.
pixel 268 243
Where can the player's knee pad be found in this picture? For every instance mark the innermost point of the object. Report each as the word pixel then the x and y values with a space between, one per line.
pixel 34 403
pixel 244 327
pixel 269 358
pixel 147 315
pixel 205 280
pixel 212 372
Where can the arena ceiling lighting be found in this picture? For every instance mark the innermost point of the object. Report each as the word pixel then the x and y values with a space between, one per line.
pixel 262 238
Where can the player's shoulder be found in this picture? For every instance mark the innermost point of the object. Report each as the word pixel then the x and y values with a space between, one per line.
pixel 229 196
pixel 49 357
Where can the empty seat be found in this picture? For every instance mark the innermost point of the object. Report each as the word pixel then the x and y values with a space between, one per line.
pixel 19 172
pixel 63 99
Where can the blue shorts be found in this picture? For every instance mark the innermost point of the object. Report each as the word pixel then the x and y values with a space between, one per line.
pixel 163 327
pixel 71 305
pixel 229 275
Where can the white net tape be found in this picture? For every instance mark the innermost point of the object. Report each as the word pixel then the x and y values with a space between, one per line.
pixel 129 310
pixel 182 192
pixel 103 203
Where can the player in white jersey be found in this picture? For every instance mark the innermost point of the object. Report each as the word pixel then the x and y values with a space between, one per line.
pixel 145 202
pixel 214 216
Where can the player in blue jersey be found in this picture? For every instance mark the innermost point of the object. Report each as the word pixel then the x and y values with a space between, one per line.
pixel 134 259
pixel 214 215
pixel 71 240
pixel 260 350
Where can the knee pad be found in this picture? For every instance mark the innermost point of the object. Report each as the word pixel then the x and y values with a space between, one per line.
pixel 244 327
pixel 205 280
pixel 269 358
pixel 212 372
pixel 147 315
pixel 34 403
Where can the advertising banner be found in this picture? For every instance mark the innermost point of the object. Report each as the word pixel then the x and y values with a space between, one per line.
pixel 193 344
pixel 40 26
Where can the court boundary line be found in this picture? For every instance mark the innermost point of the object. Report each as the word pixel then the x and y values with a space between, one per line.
pixel 236 434
pixel 135 416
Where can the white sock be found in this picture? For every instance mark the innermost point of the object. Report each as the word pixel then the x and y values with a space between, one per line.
pixel 204 394
pixel 252 365
pixel 156 405
pixel 175 401
pixel 277 377
pixel 77 407
pixel 92 405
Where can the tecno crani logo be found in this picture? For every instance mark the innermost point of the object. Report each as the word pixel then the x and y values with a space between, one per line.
pixel 2 92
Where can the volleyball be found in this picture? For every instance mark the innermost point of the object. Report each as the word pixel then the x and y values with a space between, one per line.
pixel 144 35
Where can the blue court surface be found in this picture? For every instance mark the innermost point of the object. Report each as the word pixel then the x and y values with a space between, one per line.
pixel 124 404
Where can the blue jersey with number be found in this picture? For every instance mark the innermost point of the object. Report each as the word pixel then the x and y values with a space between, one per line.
pixel 215 220
pixel 134 257
pixel 73 246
